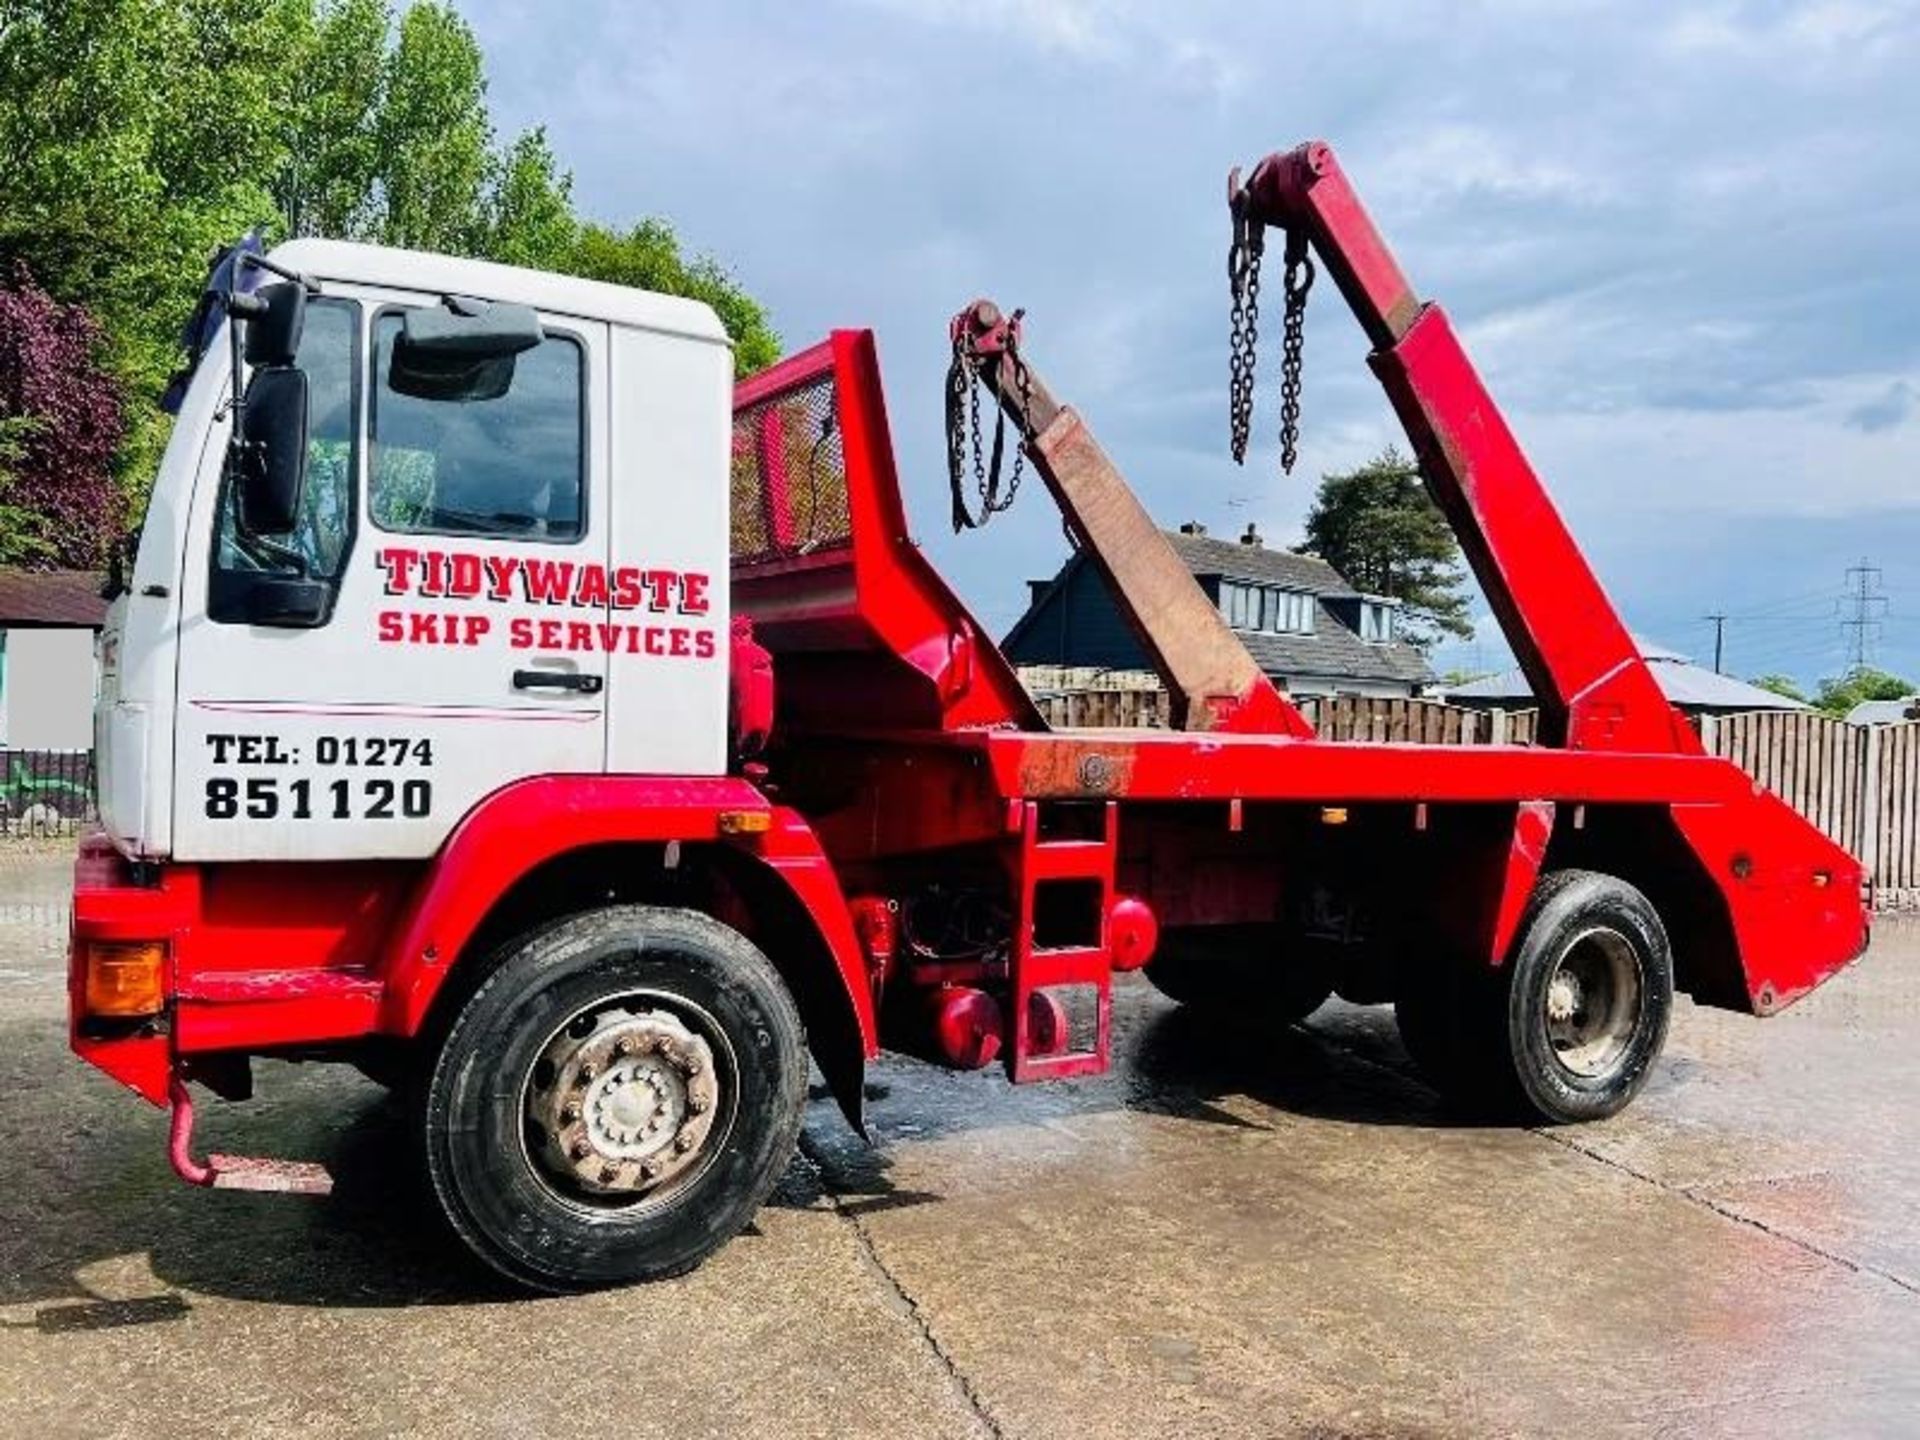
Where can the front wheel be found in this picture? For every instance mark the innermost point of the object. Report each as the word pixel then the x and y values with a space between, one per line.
pixel 1569 1028
pixel 616 1100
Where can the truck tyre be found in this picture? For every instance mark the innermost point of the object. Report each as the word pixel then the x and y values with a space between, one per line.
pixel 1568 1029
pixel 616 1099
pixel 1238 969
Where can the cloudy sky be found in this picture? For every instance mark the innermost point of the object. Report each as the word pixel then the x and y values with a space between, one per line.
pixel 1683 242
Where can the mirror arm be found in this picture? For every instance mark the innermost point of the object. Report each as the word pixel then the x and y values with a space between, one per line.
pixel 310 285
pixel 284 554
pixel 238 307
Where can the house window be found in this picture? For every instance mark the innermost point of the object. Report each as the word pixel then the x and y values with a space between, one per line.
pixel 1266 607
pixel 1376 622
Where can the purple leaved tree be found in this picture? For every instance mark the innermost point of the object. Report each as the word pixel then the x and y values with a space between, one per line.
pixel 61 423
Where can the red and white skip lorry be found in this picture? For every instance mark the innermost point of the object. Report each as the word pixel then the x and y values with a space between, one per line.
pixel 505 701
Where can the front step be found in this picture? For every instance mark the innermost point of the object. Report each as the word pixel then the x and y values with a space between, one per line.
pixel 279 1177
pixel 235 1172
pixel 1086 963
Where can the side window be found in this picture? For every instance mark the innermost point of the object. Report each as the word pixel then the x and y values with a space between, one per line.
pixel 318 546
pixel 509 467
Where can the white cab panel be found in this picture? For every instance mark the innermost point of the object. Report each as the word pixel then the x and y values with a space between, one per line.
pixel 371 735
pixel 672 423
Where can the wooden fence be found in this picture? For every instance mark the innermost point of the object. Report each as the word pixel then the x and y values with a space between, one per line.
pixel 1082 698
pixel 1416 722
pixel 1860 784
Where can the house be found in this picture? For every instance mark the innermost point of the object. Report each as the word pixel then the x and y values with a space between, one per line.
pixel 49 620
pixel 1694 689
pixel 1311 631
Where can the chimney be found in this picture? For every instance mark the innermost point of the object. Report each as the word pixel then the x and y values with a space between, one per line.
pixel 1252 537
pixel 1193 527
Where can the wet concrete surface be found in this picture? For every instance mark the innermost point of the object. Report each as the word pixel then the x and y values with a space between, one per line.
pixel 1233 1234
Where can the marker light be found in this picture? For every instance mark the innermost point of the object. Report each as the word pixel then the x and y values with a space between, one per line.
pixel 126 978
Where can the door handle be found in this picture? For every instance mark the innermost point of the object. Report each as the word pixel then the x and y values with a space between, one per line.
pixel 557 680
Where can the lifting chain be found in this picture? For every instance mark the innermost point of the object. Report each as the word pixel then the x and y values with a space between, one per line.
pixel 1243 286
pixel 1297 281
pixel 964 382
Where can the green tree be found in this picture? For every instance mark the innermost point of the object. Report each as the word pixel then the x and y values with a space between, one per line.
pixel 1839 694
pixel 139 135
pixel 529 218
pixel 1779 685
pixel 648 256
pixel 433 136
pixel 1378 527
pixel 327 185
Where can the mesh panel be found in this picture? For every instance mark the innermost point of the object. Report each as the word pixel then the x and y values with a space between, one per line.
pixel 789 476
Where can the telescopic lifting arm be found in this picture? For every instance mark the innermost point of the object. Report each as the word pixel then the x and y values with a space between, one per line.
pixel 1594 690
pixel 1212 682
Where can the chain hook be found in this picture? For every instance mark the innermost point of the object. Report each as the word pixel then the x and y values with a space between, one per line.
pixel 965 377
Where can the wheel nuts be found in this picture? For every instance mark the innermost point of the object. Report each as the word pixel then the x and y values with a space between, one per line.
pixel 629 1101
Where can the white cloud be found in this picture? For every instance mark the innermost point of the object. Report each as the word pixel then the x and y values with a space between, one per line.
pixel 1448 162
pixel 1857 31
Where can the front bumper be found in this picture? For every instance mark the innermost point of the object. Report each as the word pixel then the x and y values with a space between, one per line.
pixel 112 902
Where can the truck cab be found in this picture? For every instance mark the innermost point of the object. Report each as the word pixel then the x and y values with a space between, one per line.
pixel 477 587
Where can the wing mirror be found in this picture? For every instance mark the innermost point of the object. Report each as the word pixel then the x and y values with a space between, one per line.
pixel 462 351
pixel 269 454
pixel 276 317
pixel 273 457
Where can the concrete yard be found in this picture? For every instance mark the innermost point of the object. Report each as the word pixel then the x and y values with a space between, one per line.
pixel 1242 1234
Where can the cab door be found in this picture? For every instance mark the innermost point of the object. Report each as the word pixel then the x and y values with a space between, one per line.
pixel 460 542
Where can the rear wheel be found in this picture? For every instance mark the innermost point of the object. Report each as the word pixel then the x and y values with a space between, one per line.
pixel 616 1100
pixel 1241 969
pixel 1569 1028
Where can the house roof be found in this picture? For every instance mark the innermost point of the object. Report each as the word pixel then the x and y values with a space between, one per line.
pixel 1687 685
pixel 1206 555
pixel 52 598
pixel 1333 650
pixel 1884 712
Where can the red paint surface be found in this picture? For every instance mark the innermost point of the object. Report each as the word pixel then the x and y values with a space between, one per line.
pixel 266 956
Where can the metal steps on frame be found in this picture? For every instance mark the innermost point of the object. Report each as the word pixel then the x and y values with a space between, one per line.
pixel 1079 958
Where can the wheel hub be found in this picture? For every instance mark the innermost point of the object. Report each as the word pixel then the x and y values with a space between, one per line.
pixel 1563 997
pixel 1593 1002
pixel 627 1102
